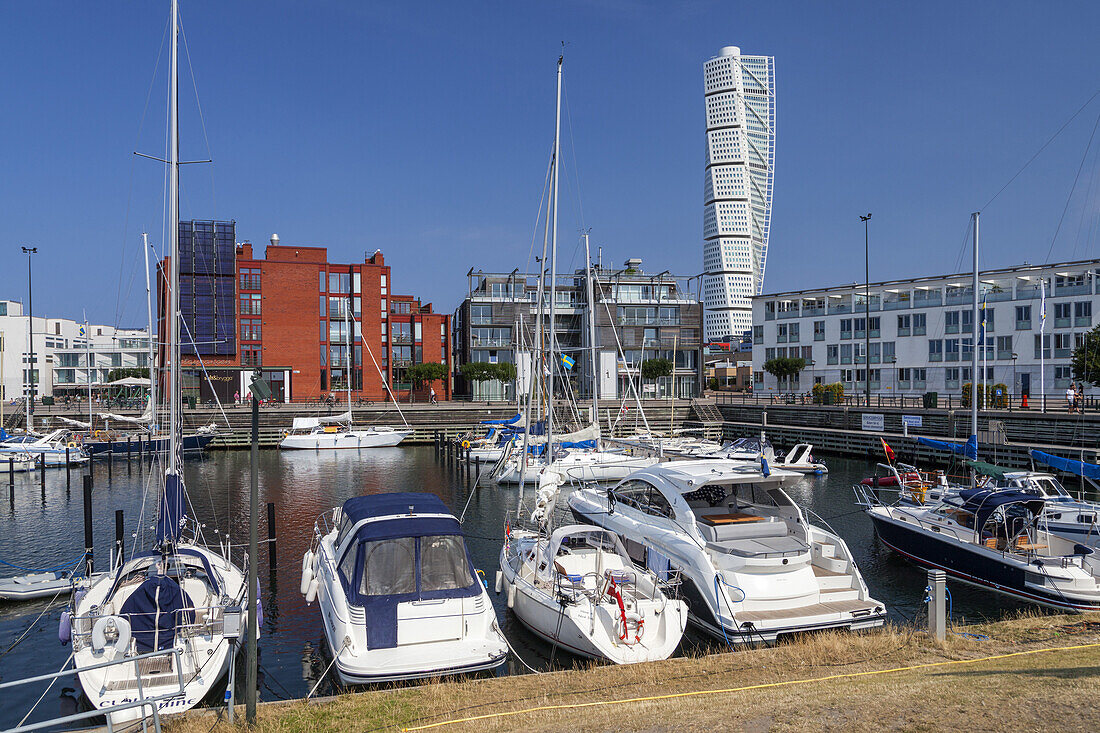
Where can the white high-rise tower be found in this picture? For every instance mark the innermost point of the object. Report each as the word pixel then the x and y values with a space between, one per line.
pixel 737 189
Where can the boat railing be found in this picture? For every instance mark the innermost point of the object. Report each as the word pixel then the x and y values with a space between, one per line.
pixel 208 620
pixel 142 701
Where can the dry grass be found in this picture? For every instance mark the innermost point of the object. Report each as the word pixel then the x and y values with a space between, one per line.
pixel 1032 692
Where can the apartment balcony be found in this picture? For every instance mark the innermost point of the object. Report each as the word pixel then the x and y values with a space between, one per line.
pixel 475 343
pixel 896 305
pixel 1085 289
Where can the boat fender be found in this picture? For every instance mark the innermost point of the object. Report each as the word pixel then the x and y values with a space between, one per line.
pixel 99 635
pixel 311 592
pixel 511 596
pixel 65 628
pixel 500 581
pixel 307 571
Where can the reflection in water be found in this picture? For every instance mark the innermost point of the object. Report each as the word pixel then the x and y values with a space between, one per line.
pixel 44 527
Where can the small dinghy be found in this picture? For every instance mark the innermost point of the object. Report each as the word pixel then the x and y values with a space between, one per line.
pixel 36 585
pixel 399 597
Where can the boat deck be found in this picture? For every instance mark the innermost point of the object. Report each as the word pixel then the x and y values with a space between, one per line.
pixel 825 572
pixel 814 609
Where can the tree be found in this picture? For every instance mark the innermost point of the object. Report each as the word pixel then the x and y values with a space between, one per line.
pixel 428 371
pixel 784 367
pixel 123 373
pixel 505 371
pixel 656 368
pixel 477 371
pixel 1086 358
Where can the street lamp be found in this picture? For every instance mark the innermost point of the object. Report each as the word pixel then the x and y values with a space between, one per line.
pixel 28 251
pixel 867 301
pixel 894 364
pixel 1014 357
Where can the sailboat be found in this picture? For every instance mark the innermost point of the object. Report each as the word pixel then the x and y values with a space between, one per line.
pixel 575 587
pixel 160 622
pixel 338 431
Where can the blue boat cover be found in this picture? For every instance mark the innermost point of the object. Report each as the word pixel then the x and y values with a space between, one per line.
pixel 211 578
pixel 173 510
pixel 983 502
pixel 381 610
pixel 509 421
pixel 3 435
pixel 154 610
pixel 1077 468
pixel 968 449
pixel 538 428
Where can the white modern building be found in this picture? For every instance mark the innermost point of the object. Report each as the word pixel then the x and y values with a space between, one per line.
pixel 63 349
pixel 737 187
pixel 922 331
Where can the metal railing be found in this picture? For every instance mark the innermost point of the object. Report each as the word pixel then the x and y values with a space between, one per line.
pixel 141 702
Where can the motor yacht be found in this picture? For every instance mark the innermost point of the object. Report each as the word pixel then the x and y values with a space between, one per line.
pixel 323 433
pixel 753 567
pixel 398 594
pixel 994 539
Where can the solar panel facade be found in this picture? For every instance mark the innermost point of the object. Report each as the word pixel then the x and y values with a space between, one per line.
pixel 208 287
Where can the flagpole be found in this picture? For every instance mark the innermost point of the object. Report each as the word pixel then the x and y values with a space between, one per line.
pixel 1042 344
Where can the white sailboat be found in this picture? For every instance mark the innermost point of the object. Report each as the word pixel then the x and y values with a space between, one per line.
pixel 575 587
pixel 338 431
pixel 170 608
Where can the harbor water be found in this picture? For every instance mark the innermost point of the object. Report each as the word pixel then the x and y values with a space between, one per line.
pixel 43 527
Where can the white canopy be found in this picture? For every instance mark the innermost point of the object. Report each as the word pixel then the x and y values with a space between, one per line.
pixel 592 432
pixel 308 423
pixel 129 382
pixel 74 423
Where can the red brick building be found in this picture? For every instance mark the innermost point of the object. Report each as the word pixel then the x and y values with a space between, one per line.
pixel 291 319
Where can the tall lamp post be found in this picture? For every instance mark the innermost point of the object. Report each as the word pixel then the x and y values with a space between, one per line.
pixel 894 364
pixel 867 302
pixel 1013 395
pixel 28 251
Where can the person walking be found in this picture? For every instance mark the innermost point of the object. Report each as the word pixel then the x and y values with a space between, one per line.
pixel 1071 398
pixel 431 394
pixel 237 397
pixel 1078 398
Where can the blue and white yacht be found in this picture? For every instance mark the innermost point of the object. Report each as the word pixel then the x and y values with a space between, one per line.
pixel 399 597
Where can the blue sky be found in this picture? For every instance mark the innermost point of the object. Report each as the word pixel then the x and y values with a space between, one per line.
pixel 424 129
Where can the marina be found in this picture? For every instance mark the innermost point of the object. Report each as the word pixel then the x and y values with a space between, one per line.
pixel 303 486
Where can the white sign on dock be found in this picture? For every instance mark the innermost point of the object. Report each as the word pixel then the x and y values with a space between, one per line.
pixel 913 421
pixel 874 422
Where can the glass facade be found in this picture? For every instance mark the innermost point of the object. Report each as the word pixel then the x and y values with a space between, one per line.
pixel 207 269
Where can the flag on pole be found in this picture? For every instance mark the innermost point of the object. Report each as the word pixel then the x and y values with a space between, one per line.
pixel 567 361
pixel 890 457
pixel 981 332
pixel 1042 305
pixel 764 467
pixel 83 331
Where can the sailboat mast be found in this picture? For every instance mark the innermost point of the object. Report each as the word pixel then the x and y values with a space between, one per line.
pixel 592 334
pixel 171 319
pixel 152 340
pixel 554 273
pixel 974 340
pixel 347 361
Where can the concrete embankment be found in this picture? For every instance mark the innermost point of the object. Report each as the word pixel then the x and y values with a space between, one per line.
pixel 1036 672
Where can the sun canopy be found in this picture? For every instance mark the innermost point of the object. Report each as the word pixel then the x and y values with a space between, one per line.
pixel 988 469
pixel 1077 468
pixel 308 423
pixel 129 382
pixel 402 510
pixel 983 502
pixel 968 449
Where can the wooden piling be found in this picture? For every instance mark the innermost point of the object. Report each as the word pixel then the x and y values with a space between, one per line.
pixel 271 535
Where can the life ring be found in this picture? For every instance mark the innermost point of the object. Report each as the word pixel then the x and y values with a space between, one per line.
pixel 96 433
pixel 466 445
pixel 71 444
pixel 99 634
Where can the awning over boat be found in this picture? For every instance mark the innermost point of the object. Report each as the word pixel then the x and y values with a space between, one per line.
pixel 509 421
pixel 1077 468
pixel 308 423
pixel 983 502
pixel 987 469
pixel 968 449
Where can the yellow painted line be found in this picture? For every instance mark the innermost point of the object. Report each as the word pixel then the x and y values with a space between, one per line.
pixel 697 693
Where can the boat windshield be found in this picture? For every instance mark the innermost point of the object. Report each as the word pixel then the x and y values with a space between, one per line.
pixel 1051 487
pixel 409 565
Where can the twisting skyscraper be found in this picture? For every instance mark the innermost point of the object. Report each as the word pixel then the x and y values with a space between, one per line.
pixel 737 190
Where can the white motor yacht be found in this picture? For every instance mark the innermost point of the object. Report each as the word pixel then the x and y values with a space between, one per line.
pixel 53 448
pixel 753 567
pixel 578 590
pixel 399 596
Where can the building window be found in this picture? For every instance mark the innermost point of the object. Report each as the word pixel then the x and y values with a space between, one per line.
pixel 819 330
pixel 951 349
pixel 935 350
pixel 356 282
pixel 481 315
pixel 324 279
pixel 1082 313
pixel 781 333
pixel 904 325
pixel 250 329
pixel 1004 347
pixel 951 322
pixel 920 324
pixel 846 328
pixel 1023 318
pixel 792 333
pixel 887 351
pixel 1045 346
pixel 250 304
pixel 990 322
pixel 250 278
pixel 324 306
pixel 1062 348
pixel 250 356
pixel 845 353
pixel 758 334
pixel 339 282
pixel 402 307
pixel 951 378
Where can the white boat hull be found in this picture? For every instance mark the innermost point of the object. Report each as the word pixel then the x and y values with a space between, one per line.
pixel 351 440
pixel 579 467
